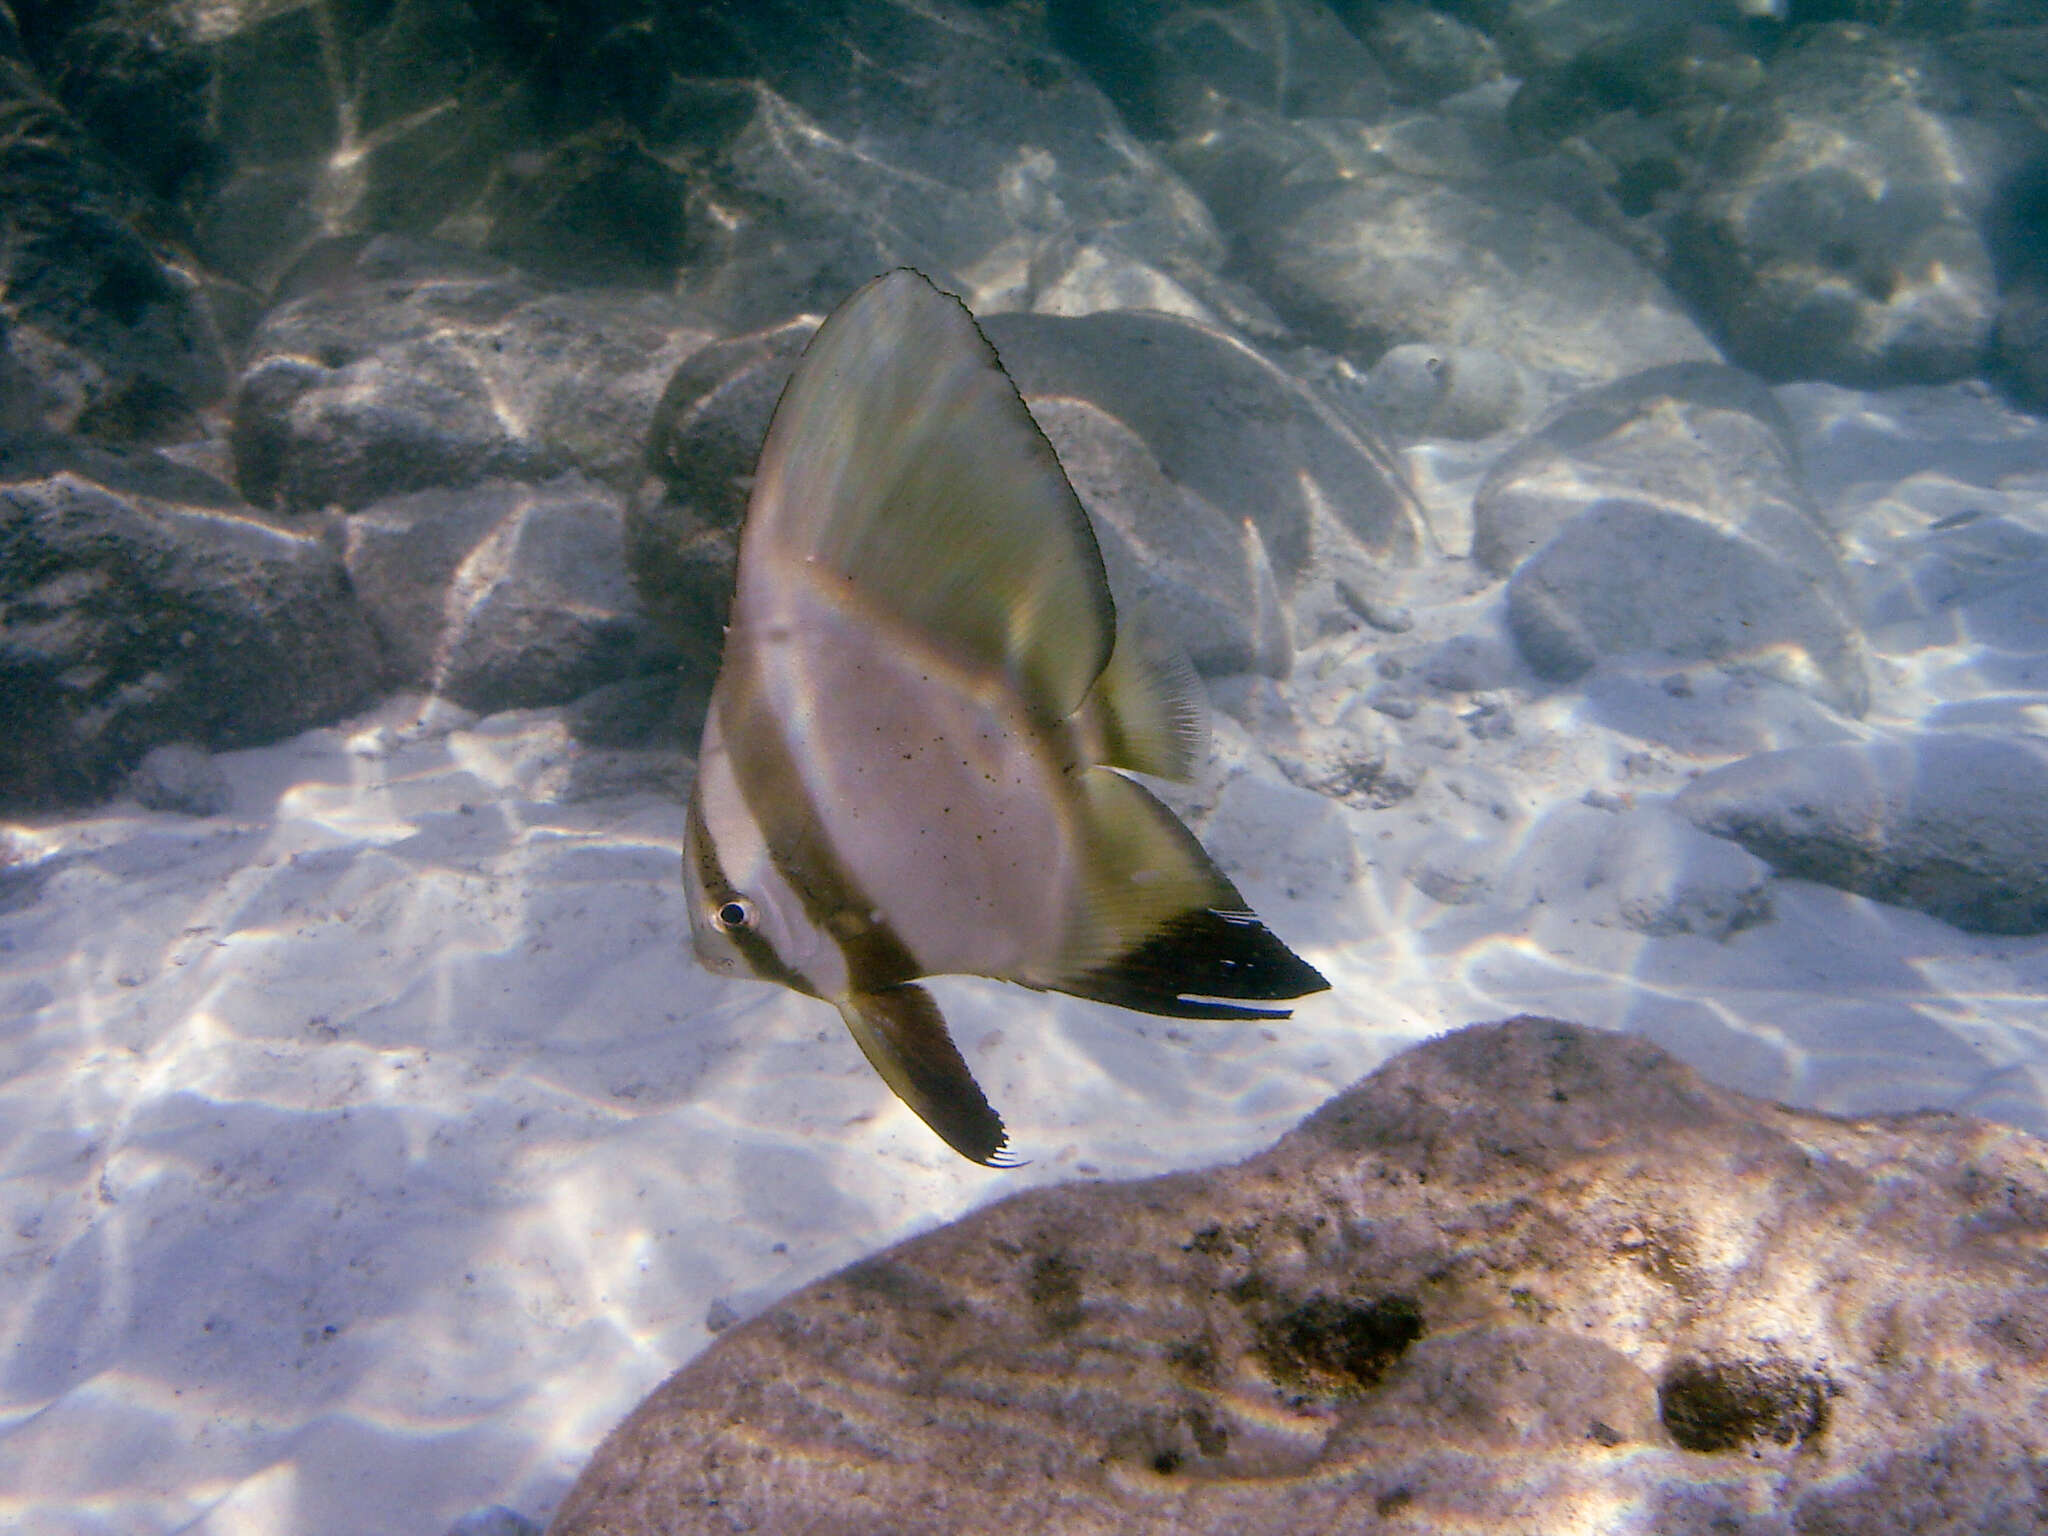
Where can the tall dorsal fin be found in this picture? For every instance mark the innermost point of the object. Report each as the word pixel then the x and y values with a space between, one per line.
pixel 902 460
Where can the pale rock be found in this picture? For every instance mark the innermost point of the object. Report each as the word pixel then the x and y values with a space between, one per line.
pixel 180 777
pixel 1176 564
pixel 1664 518
pixel 1951 823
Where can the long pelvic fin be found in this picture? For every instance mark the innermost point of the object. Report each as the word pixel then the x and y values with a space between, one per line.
pixel 902 460
pixel 903 1035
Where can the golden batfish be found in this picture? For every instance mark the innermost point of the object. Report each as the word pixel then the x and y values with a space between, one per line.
pixel 910 766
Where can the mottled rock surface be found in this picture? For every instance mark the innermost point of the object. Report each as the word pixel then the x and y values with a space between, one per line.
pixel 1834 231
pixel 503 595
pixel 142 603
pixel 102 330
pixel 405 365
pixel 1368 264
pixel 1522 1274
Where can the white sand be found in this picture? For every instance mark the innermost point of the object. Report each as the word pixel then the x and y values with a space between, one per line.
pixel 367 1151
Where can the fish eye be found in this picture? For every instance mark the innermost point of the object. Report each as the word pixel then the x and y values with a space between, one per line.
pixel 736 913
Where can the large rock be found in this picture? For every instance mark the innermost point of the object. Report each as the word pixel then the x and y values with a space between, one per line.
pixel 1201 580
pixel 1950 823
pixel 945 136
pixel 1523 1272
pixel 1165 64
pixel 1694 436
pixel 141 603
pixel 1327 498
pixel 2019 228
pixel 102 331
pixel 1365 265
pixel 1426 52
pixel 502 595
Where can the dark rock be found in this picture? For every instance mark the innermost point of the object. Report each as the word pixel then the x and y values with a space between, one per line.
pixel 2018 227
pixel 1539 35
pixel 431 104
pixel 1833 230
pixel 136 82
pixel 1426 52
pixel 1666 68
pixel 503 595
pixel 144 604
pixel 104 333
pixel 682 529
pixel 1166 64
pixel 1522 1271
pixel 1948 823
pixel 406 366
pixel 595 209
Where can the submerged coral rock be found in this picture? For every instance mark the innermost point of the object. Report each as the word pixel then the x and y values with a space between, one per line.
pixel 1523 1272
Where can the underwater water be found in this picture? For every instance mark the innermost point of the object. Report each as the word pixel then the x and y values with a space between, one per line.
pixel 370 1143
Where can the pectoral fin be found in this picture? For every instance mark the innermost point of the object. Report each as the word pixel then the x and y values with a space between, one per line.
pixel 1145 710
pixel 903 1035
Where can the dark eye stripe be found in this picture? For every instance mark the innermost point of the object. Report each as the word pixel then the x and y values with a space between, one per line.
pixel 775 794
pixel 752 944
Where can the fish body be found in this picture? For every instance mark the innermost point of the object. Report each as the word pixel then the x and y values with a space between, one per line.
pixel 910 766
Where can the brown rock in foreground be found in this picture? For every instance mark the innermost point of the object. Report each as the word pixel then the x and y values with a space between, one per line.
pixel 1527 1277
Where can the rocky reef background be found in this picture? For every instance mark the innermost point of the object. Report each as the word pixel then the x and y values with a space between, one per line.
pixel 333 334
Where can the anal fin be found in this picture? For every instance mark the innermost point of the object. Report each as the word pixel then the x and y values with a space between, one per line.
pixel 903 1035
pixel 1160 928
pixel 1191 963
